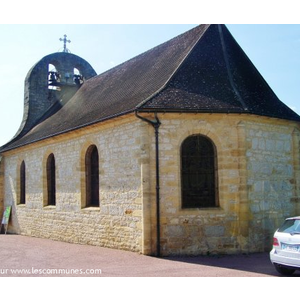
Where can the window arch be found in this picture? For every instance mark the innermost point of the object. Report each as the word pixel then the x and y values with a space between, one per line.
pixel 199 173
pixel 22 199
pixel 92 176
pixel 76 71
pixel 51 180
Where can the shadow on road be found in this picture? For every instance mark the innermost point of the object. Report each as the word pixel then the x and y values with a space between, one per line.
pixel 255 262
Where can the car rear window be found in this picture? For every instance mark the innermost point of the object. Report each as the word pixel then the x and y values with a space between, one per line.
pixel 290 226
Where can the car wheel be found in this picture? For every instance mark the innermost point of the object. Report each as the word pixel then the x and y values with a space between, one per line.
pixel 283 270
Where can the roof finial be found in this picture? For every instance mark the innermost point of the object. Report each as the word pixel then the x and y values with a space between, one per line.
pixel 65 42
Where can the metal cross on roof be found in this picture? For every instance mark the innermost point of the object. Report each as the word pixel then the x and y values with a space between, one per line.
pixel 65 42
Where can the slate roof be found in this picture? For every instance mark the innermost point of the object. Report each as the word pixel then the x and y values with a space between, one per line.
pixel 202 70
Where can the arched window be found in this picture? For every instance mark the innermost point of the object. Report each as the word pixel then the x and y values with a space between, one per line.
pixel 51 186
pixel 76 71
pixel 198 173
pixel 22 183
pixel 92 176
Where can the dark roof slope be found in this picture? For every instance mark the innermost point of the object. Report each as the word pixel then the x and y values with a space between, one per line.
pixel 202 70
pixel 219 77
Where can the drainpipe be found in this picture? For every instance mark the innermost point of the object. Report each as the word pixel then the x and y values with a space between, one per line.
pixel 156 124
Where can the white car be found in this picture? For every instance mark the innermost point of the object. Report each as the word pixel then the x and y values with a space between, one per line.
pixel 285 255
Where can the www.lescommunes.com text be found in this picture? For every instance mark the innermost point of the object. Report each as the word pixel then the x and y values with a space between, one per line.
pixel 35 271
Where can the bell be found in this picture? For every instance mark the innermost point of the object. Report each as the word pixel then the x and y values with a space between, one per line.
pixel 53 78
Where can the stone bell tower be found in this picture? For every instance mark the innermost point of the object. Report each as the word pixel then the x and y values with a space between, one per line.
pixel 50 84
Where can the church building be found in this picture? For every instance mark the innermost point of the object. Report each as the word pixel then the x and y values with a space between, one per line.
pixel 182 150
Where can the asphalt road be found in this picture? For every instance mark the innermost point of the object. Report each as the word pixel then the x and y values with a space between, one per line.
pixel 22 256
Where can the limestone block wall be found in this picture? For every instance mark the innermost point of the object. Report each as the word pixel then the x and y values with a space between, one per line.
pixel 117 223
pixel 258 176
pixel 255 183
pixel 272 172
pixel 208 230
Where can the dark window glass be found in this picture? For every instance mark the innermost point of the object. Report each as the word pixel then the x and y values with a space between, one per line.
pixel 92 176
pixel 198 173
pixel 51 186
pixel 22 183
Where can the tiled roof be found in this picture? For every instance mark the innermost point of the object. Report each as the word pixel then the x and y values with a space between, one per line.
pixel 218 77
pixel 202 70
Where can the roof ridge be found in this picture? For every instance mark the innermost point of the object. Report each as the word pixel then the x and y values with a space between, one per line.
pixel 179 65
pixel 228 69
pixel 140 54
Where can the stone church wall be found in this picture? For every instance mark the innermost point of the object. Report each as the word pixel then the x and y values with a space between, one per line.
pixel 117 223
pixel 272 169
pixel 258 185
pixel 256 175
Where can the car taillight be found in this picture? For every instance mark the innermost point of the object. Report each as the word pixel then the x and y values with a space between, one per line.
pixel 275 242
